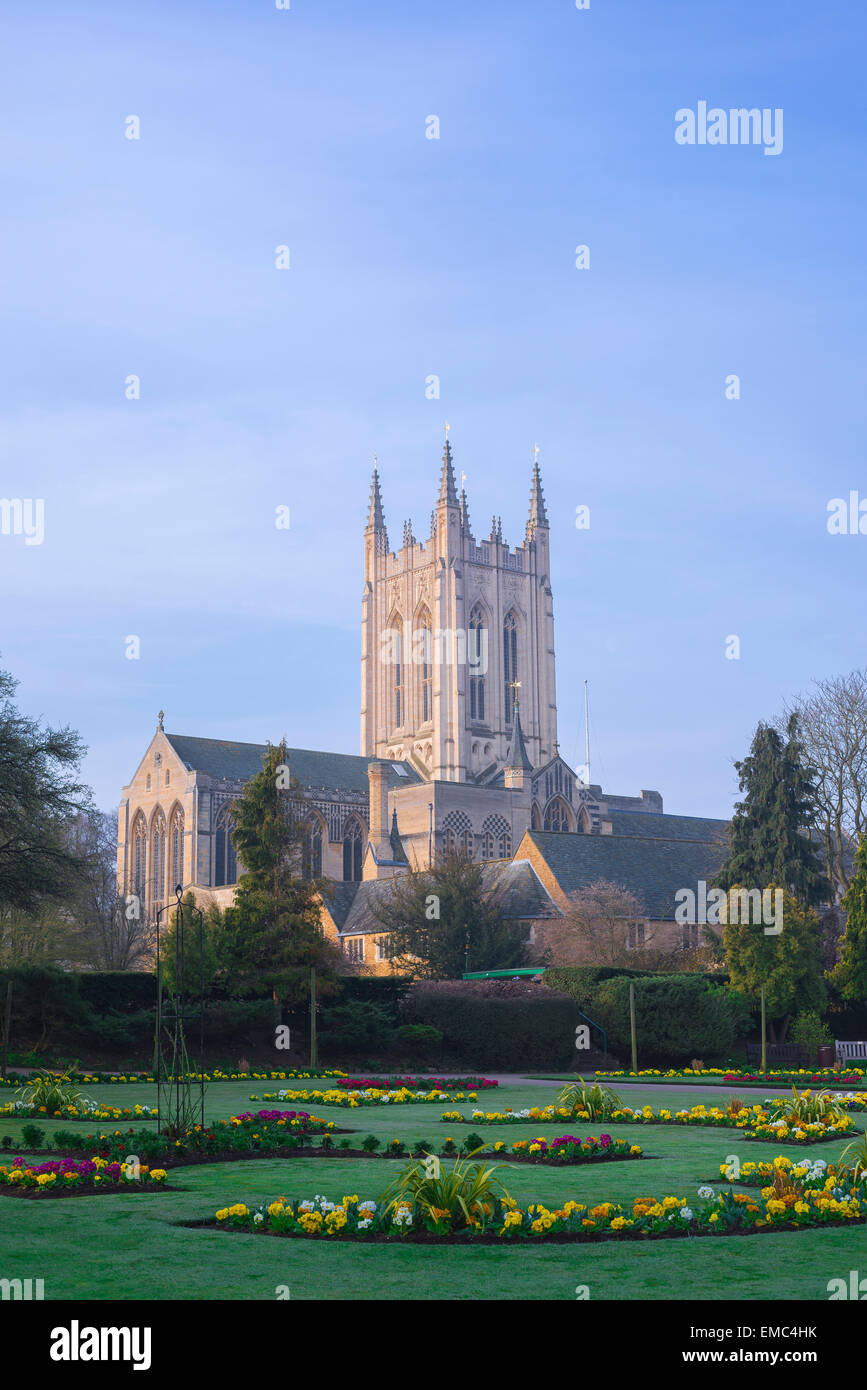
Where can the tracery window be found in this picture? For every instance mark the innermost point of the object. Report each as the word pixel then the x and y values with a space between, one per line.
pixel 398 674
pixel 496 840
pixel 311 862
pixel 458 831
pixel 176 843
pixel 139 856
pixel 424 637
pixel 477 655
pixel 510 664
pixel 225 861
pixel 353 846
pixel 557 815
pixel 158 857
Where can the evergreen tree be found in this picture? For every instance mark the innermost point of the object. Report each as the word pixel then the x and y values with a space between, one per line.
pixel 272 934
pixel 788 965
pixel 196 967
pixel 851 973
pixel 442 922
pixel 768 842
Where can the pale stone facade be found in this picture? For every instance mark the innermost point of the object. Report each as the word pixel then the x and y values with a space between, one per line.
pixel 458 749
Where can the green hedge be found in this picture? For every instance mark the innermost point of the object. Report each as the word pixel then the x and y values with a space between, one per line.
pixel 503 1024
pixel 678 1017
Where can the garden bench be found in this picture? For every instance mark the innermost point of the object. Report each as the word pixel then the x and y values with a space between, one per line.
pixel 851 1051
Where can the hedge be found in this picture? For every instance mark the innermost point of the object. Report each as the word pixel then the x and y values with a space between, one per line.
pixel 678 1017
pixel 497 1023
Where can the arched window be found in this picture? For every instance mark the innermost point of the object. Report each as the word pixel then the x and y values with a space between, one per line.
pixel 458 830
pixel 353 845
pixel 424 659
pixel 535 818
pixel 138 877
pixel 398 673
pixel 225 862
pixel 176 850
pixel 510 664
pixel 477 658
pixel 158 857
pixel 311 865
pixel 557 815
pixel 496 838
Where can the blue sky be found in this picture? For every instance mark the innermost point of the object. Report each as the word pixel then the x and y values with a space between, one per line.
pixel 412 257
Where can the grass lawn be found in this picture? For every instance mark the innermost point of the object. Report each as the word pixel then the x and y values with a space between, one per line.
pixel 135 1247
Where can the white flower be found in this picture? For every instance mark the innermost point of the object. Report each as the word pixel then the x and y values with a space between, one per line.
pixel 363 1225
pixel 258 1219
pixel 705 1192
pixel 686 1213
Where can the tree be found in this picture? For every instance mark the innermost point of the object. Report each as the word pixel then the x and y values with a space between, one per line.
pixel 114 934
pixel 603 924
pixel 788 965
pixel 442 921
pixel 769 842
pixel 833 725
pixel 272 935
pixel 39 796
pixel 851 973
pixel 199 968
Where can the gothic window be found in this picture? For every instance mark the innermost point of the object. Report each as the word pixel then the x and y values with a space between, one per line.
pixel 425 665
pixel 311 865
pixel 636 936
pixel 496 838
pixel 225 863
pixel 398 674
pixel 458 831
pixel 149 782
pixel 158 857
pixel 477 662
pixel 510 664
pixel 557 815
pixel 353 845
pixel 535 818
pixel 176 844
pixel 139 856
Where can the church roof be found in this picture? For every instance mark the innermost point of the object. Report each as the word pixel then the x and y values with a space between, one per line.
pixel 652 868
pixel 655 825
pixel 224 760
pixel 515 885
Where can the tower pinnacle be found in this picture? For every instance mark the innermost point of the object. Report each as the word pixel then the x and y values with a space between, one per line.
pixel 448 493
pixel 538 515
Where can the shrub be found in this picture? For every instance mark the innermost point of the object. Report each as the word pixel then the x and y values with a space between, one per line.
pixel 370 1143
pixel 355 1027
pixel 472 1142
pixel 600 1102
pixel 420 1039
pixel 497 1023
pixel 810 1032
pixel 33 1136
pixel 677 1017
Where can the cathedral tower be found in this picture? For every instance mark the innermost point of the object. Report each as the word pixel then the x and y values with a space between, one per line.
pixel 453 629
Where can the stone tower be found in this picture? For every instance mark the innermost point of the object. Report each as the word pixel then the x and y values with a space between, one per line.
pixel 453 629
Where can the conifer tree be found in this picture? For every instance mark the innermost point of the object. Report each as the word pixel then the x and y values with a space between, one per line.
pixel 851 973
pixel 769 843
pixel 787 964
pixel 272 934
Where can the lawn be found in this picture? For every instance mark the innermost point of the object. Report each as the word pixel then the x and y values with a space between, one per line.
pixel 135 1245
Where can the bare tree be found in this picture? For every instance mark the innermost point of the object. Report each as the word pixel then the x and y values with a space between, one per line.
pixel 115 932
pixel 603 924
pixel 833 729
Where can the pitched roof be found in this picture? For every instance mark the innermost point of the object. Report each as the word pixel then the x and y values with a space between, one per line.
pixel 653 869
pixel 222 759
pixel 655 825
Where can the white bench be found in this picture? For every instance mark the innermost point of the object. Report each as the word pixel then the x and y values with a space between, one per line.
pixel 851 1051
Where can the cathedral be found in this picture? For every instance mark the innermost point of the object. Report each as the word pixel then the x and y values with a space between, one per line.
pixel 458 751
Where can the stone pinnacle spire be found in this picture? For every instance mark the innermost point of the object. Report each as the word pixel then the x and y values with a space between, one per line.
pixel 375 514
pixel 538 516
pixel 516 753
pixel 448 492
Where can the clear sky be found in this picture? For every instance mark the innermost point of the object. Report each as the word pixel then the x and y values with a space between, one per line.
pixel 410 257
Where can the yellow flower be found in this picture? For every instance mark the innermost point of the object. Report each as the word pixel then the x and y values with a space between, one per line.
pixel 222 1214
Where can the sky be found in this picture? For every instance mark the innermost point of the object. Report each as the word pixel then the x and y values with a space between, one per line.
pixel 411 257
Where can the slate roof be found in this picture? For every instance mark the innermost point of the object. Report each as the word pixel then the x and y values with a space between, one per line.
pixel 239 762
pixel 654 869
pixel 654 825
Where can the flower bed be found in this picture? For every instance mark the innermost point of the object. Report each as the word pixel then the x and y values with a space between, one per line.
pixel 501 1220
pixel 63 1177
pixel 417 1083
pixel 18 1110
pixel 138 1078
pixel 372 1096
pixel 274 1132
pixel 754 1120
pixel 852 1076
pixel 808 1170
pixel 569 1149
